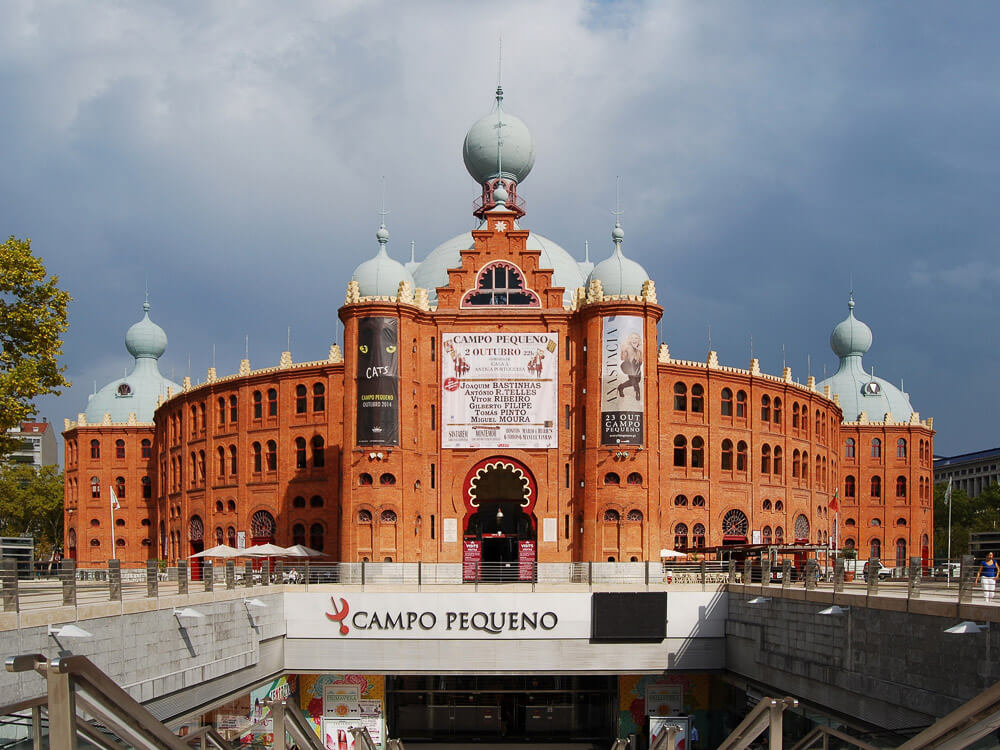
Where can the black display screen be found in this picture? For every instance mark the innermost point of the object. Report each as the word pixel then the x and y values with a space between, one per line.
pixel 630 617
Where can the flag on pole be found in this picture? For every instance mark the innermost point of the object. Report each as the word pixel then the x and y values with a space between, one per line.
pixel 947 493
pixel 834 505
pixel 115 505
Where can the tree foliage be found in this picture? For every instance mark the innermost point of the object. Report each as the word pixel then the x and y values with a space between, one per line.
pixel 31 504
pixel 32 321
pixel 968 514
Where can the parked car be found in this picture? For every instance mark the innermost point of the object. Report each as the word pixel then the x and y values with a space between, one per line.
pixel 883 571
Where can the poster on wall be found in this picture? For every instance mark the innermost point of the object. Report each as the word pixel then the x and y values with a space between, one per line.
pixel 378 381
pixel 622 375
pixel 526 555
pixel 499 390
pixel 472 553
pixel 664 700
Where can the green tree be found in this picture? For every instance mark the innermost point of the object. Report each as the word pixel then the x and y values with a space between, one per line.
pixel 31 504
pixel 968 514
pixel 32 321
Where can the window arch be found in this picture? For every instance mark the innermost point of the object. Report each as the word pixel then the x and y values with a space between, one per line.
pixel 735 524
pixel 119 448
pixel 796 464
pixel 876 547
pixel 698 501
pixel 805 467
pixel 777 410
pixel 220 463
pixel 147 488
pixel 257 458
pixel 634 478
pixel 765 408
pixel 262 525
pixel 850 489
pixel 365 479
pixel 387 516
pixel 876 487
pixel 801 528
pixel 680 536
pixel 727 455
pixel 317 536
pixel 95 448
pixel 849 448
pixel 698 536
pixel 300 452
pixel 258 405
pixel 218 506
pixel 765 459
pixel 299 502
pixel 765 535
pixel 500 282
pixel 766 504
pixel 612 516
pixel 319 397
pixel 196 529
pixel 364 516
pixel 95 487
pixel 900 553
pixel 876 448
pixel 231 506
pixel 146 448
pixel 901 486
pixel 680 396
pixel 120 487
pixel 612 478
pixel 681 501
pixel 697 398
pixel 777 462
pixel 779 535
pixel 315 501
pixel 726 407
pixel 232 460
pixel 741 456
pixel 301 396
pixel 741 404
pixel 299 534
pixel 234 413
pixel 272 402
pixel 680 450
pixel 272 455
pixel 901 448
pixel 387 479
pixel 697 452
pixel 901 521
pixel 222 421
pixel 634 515
pixel 779 506
pixel 318 451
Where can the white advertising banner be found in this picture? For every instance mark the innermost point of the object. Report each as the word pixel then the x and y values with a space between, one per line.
pixel 499 390
pixel 437 616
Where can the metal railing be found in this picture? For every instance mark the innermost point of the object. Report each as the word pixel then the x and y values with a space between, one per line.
pixel 767 715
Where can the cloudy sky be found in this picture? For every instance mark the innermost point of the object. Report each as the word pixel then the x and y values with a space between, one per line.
pixel 771 155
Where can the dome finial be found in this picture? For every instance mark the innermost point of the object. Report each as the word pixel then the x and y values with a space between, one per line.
pixel 145 305
pixel 618 234
pixel 382 235
pixel 850 301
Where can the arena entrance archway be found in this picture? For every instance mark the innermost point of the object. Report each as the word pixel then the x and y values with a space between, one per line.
pixel 499 528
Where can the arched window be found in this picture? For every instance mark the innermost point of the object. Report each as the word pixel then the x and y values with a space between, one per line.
pixel 146 448
pixel 147 488
pixel 901 486
pixel 680 396
pixel 850 522
pixel 364 516
pixel 272 455
pixel 219 535
pixel 680 451
pixel 231 506
pixel 805 424
pixel 697 453
pixel 634 478
pixel 735 525
pixel 698 535
pixel 741 405
pixel 612 516
pixel 95 448
pixel 365 479
pixel 850 489
pixel 727 455
pixel 258 405
pixel 387 516
pixel 849 448
pixel 500 282
pixel 680 536
pixel 218 506
pixel 698 501
pixel 779 506
pixel 765 459
pixel 232 460
pixel 272 402
pixel 196 529
pixel 681 501
pixel 777 411
pixel 316 501
pixel 95 487
pixel 301 400
pixel 801 528
pixel 876 448
pixel 795 416
pixel 634 515
pixel 257 464
pixel 300 452
pixel 876 487
pixel 876 548
pixel 299 502
pixel 612 478
pixel 234 413
pixel 765 408
pixel 318 451
pixel 231 536
pixel 766 504
pixel 319 397
pixel 120 487
pixel 765 535
pixel 901 521
pixel 697 398
pixel 317 536
pixel 262 526
pixel 777 461
pixel 796 464
pixel 779 535
pixel 119 448
pixel 900 553
pixel 387 479
pixel 222 421
pixel 194 420
pixel 805 467
pixel 727 402
pixel 220 462
pixel 741 456
pixel 299 534
pixel 901 448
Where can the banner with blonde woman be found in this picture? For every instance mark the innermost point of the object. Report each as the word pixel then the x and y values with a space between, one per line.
pixel 622 380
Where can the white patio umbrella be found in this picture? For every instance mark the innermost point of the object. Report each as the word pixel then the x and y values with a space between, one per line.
pixel 220 550
pixel 264 550
pixel 671 553
pixel 301 550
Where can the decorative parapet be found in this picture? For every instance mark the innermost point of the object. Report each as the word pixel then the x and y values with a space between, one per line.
pixel 888 417
pixel 930 423
pixel 755 366
pixel 421 300
pixel 81 419
pixel 836 399
pixel 663 355
pixel 186 383
pixel 913 421
pixel 826 388
pixel 405 293
pixel 649 291
pixel 863 418
pixel 915 417
pixel 132 421
pixel 107 418
pixel 286 361
pixel 244 367
pixel 811 383
pixel 353 293
pixel 335 354
pixel 579 297
pixel 211 377
pixel 595 292
pixel 159 401
pixel 66 424
pixel 786 374
pixel 713 360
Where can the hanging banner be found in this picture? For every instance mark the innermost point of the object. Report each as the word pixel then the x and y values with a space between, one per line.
pixel 499 390
pixel 622 388
pixel 378 381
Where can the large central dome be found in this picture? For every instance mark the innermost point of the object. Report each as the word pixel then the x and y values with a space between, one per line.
pixel 516 148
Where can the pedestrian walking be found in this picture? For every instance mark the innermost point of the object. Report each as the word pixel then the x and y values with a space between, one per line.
pixel 988 574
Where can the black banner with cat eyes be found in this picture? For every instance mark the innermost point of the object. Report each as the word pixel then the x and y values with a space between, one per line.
pixel 378 381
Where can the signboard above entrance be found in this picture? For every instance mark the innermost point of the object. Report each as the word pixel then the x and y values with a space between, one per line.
pixel 499 390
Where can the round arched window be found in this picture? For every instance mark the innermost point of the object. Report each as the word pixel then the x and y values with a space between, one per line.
pixel 611 515
pixel 364 516
pixel 387 516
pixel 196 529
pixel 735 523
pixel 801 527
pixel 634 515
pixel 262 524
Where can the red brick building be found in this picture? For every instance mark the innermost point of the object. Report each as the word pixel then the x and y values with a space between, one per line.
pixel 498 400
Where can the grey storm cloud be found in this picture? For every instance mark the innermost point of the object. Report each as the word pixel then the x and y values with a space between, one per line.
pixel 770 155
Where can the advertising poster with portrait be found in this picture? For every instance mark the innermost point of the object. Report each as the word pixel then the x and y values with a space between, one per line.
pixel 499 390
pixel 623 374
pixel 378 381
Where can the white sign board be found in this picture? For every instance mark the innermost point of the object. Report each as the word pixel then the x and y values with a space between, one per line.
pixel 499 390
pixel 437 616
pixel 549 530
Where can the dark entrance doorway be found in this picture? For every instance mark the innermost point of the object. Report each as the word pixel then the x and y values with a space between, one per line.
pixel 503 708
pixel 499 529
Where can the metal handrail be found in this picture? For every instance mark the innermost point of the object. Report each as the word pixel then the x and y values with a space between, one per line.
pixel 963 726
pixel 824 733
pixel 301 731
pixel 767 714
pixel 211 736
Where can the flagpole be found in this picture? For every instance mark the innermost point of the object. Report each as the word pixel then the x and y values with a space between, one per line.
pixel 111 502
pixel 947 497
